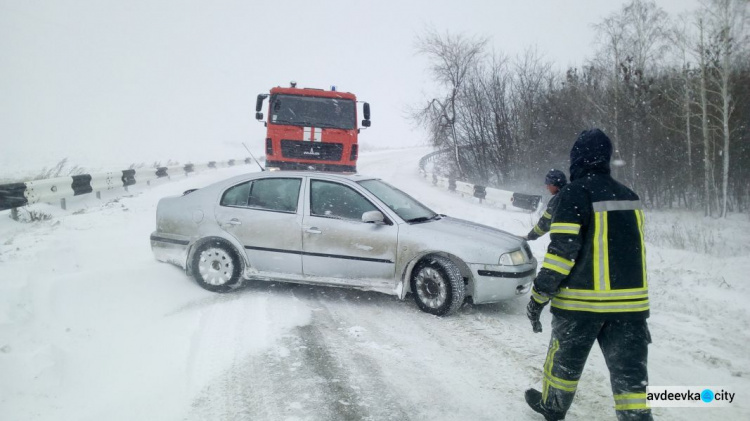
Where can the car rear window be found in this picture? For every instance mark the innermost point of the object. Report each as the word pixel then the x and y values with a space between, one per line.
pixel 236 195
pixel 276 194
pixel 279 194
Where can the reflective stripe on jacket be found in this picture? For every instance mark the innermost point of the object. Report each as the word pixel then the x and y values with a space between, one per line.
pixel 542 226
pixel 595 264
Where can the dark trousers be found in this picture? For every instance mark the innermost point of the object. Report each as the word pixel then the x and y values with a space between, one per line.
pixel 624 344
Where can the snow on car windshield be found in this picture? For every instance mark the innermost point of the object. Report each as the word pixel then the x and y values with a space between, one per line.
pixel 404 205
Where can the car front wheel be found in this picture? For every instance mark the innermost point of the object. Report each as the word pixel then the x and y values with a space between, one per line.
pixel 437 286
pixel 216 267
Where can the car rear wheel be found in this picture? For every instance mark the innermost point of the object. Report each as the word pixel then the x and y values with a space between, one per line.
pixel 437 286
pixel 216 267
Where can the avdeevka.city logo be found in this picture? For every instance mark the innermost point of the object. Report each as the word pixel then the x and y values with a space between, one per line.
pixel 689 396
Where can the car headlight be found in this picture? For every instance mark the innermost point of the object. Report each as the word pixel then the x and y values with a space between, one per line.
pixel 513 258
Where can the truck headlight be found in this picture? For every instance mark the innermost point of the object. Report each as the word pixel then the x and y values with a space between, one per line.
pixel 513 258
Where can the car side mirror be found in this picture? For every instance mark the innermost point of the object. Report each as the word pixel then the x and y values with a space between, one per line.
pixel 259 116
pixel 365 123
pixel 375 217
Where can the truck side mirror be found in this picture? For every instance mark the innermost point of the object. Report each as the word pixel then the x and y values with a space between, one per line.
pixel 259 106
pixel 366 112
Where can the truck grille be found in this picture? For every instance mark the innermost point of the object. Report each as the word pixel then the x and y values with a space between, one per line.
pixel 314 151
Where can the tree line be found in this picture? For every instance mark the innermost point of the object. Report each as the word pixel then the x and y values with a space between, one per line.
pixel 673 94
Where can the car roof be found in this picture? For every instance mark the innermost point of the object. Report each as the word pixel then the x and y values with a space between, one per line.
pixel 319 174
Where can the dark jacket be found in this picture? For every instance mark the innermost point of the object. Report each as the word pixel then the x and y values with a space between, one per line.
pixel 542 226
pixel 595 263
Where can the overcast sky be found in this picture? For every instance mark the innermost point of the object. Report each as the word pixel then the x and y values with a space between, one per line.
pixel 109 83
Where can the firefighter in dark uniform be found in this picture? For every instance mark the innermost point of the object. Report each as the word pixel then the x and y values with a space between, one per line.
pixel 555 180
pixel 594 277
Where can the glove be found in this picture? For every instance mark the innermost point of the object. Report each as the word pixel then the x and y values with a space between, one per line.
pixel 534 312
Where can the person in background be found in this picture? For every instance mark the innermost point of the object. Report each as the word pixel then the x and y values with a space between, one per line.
pixel 594 276
pixel 555 180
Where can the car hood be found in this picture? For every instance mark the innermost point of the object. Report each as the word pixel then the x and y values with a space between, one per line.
pixel 474 243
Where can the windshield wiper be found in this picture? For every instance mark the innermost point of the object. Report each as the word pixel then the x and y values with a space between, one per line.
pixel 310 124
pixel 326 125
pixel 434 217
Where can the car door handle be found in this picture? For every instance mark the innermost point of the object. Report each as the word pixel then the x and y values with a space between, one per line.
pixel 234 221
pixel 313 230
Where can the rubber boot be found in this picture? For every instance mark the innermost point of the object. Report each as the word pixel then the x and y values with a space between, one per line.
pixel 534 399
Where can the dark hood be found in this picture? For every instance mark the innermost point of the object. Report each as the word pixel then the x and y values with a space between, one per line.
pixel 590 154
pixel 555 178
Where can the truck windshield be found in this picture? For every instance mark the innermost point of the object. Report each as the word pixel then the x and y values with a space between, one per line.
pixel 404 205
pixel 299 110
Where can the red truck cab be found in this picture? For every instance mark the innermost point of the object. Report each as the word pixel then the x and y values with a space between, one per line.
pixel 311 129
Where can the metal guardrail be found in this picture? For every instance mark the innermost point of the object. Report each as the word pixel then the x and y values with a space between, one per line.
pixel 15 195
pixel 491 195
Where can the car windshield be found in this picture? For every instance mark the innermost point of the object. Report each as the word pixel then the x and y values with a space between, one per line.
pixel 404 205
pixel 311 111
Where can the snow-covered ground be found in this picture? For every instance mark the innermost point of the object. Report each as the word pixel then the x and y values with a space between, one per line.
pixel 92 327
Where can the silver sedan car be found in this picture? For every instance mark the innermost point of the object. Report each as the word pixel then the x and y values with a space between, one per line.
pixel 337 230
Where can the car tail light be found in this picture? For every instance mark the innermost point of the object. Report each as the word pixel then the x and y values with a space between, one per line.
pixel 353 155
pixel 269 146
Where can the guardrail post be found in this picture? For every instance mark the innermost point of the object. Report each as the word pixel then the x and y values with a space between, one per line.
pixel 14 214
pixel 98 195
pixel 480 192
pixel 62 204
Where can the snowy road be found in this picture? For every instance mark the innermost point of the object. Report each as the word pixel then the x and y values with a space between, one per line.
pixel 92 327
pixel 367 356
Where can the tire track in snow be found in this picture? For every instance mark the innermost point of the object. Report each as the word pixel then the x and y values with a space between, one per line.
pixel 230 360
pixel 434 367
pixel 303 378
pixel 355 379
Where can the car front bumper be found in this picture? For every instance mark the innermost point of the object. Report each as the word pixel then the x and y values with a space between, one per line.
pixel 170 248
pixel 494 283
